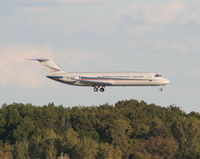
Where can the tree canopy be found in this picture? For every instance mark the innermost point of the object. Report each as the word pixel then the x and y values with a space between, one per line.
pixel 130 129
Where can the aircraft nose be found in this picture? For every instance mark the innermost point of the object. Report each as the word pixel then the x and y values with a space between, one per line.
pixel 167 81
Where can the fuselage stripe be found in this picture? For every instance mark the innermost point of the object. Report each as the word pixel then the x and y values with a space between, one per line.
pixel 55 77
pixel 99 79
pixel 85 79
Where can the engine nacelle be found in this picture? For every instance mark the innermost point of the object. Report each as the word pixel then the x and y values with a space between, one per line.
pixel 77 78
pixel 71 79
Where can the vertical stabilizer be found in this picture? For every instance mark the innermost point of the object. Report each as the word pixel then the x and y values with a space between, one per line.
pixel 49 65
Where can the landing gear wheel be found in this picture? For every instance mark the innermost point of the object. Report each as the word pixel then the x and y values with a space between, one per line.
pixel 161 89
pixel 102 89
pixel 96 89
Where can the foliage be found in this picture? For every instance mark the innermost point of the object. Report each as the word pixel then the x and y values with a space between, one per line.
pixel 128 130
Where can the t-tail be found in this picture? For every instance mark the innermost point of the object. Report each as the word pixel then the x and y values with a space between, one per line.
pixel 49 65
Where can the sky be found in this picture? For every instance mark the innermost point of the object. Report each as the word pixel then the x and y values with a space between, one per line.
pixel 161 36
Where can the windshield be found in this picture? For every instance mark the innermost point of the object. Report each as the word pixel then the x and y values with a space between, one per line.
pixel 157 75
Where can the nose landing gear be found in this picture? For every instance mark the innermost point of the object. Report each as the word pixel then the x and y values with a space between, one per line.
pixel 161 89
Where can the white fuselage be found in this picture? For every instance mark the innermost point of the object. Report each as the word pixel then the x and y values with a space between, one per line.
pixel 100 80
pixel 110 79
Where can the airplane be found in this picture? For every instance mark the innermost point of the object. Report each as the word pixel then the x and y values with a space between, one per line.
pixel 102 79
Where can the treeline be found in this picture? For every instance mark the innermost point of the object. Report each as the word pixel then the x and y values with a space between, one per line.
pixel 128 130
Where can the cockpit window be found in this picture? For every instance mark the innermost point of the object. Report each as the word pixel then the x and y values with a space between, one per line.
pixel 157 75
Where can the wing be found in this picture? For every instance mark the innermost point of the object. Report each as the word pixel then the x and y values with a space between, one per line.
pixel 94 83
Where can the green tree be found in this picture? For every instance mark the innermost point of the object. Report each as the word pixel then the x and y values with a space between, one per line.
pixel 187 132
pixel 106 151
pixel 21 150
pixel 49 149
pixel 128 130
pixel 80 148
pixel 6 151
pixel 155 147
pixel 120 131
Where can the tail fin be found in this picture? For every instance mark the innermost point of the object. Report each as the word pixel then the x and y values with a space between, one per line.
pixel 50 65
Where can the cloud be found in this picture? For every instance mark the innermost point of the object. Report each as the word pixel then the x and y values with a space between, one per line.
pixel 18 72
pixel 172 48
pixel 35 9
pixel 192 74
pixel 75 57
pixel 73 1
pixel 165 12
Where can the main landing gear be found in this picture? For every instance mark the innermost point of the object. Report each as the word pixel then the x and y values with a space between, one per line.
pixel 96 89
